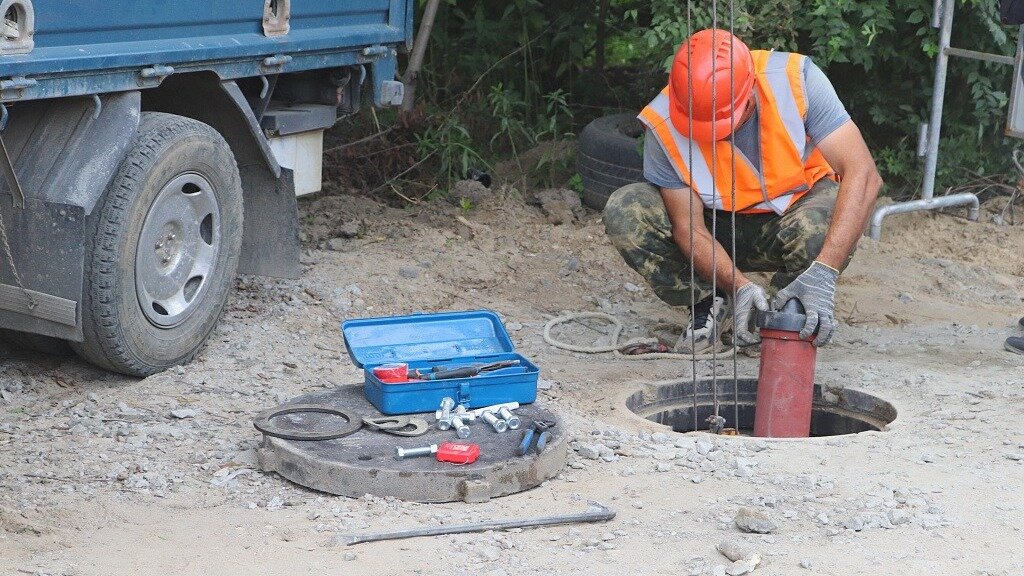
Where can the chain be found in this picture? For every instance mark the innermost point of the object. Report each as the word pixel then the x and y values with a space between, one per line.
pixel 16 195
pixel 6 245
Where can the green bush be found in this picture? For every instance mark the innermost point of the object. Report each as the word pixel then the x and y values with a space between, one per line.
pixel 504 76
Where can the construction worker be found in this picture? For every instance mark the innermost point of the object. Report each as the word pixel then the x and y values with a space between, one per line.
pixel 805 184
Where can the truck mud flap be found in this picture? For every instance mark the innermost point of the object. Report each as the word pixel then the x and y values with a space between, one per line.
pixel 47 250
pixel 270 242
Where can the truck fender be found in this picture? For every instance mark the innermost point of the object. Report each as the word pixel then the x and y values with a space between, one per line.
pixel 270 241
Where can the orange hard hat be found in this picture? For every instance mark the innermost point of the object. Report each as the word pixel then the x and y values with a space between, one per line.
pixel 704 63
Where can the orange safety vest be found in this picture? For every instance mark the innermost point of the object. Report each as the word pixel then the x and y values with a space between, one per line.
pixel 791 166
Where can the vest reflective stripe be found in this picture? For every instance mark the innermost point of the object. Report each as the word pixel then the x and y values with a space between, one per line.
pixel 654 117
pixel 795 72
pixel 785 98
pixel 787 173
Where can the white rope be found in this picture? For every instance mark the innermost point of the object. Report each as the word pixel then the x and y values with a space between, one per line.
pixel 616 347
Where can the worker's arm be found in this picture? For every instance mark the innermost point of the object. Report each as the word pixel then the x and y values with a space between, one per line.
pixel 749 296
pixel 848 154
pixel 678 203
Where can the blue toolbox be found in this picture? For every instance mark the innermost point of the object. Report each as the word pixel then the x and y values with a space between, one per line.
pixel 432 344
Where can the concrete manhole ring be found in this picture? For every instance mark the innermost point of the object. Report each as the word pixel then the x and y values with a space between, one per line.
pixel 364 462
pixel 671 404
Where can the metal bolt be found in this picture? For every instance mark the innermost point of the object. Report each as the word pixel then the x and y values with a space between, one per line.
pixel 444 423
pixel 511 419
pixel 461 430
pixel 465 415
pixel 403 453
pixel 159 245
pixel 446 408
pixel 498 424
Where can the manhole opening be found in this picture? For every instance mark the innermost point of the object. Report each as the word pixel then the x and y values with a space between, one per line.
pixel 844 412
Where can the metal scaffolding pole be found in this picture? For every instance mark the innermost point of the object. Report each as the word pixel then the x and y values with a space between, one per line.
pixel 943 20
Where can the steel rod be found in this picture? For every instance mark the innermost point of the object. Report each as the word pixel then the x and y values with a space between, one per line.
pixel 595 513
pixel 714 217
pixel 693 277
pixel 732 191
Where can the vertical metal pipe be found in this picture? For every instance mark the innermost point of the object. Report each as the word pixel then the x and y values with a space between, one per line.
pixel 938 96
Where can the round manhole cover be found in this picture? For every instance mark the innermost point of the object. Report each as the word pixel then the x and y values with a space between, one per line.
pixel 364 462
pixel 672 404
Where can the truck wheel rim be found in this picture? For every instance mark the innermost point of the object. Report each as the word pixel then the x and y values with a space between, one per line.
pixel 177 250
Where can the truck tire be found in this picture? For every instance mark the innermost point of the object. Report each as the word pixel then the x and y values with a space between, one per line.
pixel 610 157
pixel 162 248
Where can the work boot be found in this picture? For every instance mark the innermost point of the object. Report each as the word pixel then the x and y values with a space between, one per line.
pixel 708 320
pixel 1015 344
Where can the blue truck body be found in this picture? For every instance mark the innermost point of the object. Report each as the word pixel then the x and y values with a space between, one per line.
pixel 77 77
pixel 89 47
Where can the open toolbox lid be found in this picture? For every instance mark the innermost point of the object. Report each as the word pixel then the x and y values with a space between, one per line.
pixel 425 337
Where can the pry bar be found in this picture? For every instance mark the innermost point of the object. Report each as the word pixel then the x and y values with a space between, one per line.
pixel 595 513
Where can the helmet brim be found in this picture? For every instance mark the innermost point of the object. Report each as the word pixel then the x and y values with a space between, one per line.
pixel 704 130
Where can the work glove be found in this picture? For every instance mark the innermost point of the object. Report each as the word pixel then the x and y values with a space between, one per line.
pixel 749 298
pixel 816 290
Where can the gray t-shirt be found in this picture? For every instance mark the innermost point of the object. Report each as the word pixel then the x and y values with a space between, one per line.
pixel 825 113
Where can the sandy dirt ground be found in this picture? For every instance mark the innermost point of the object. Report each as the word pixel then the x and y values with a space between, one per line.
pixel 102 474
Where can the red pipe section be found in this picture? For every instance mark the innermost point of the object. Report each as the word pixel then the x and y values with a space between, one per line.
pixel 785 386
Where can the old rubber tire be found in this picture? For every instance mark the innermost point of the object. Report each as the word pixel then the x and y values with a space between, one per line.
pixel 610 157
pixel 172 215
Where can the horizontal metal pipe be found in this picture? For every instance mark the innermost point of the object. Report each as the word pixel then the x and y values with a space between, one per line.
pixel 975 55
pixel 962 199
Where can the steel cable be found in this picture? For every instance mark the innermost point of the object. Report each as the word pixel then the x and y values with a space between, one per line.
pixel 693 277
pixel 732 192
pixel 715 193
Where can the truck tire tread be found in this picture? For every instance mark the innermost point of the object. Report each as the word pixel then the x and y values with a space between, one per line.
pixel 104 343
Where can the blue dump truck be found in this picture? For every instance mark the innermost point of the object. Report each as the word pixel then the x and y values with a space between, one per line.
pixel 153 149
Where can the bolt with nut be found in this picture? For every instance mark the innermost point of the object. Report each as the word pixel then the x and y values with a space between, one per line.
pixel 447 404
pixel 498 424
pixel 511 419
pixel 461 430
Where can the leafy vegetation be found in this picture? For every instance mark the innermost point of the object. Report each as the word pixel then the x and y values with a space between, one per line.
pixel 502 77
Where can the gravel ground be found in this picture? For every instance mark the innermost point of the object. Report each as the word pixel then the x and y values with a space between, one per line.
pixel 103 474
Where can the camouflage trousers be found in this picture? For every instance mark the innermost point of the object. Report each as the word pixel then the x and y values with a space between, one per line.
pixel 638 225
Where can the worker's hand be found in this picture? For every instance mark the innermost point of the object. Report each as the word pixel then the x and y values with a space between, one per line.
pixel 816 290
pixel 749 297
